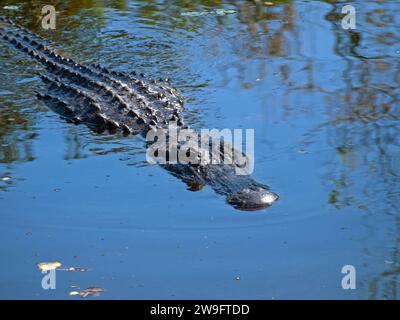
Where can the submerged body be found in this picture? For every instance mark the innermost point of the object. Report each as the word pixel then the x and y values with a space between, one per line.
pixel 111 101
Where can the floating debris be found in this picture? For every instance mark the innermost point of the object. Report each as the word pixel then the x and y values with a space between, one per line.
pixel 302 151
pixel 218 12
pixel 79 269
pixel 46 266
pixel 11 7
pixel 5 178
pixel 90 291
pixel 222 12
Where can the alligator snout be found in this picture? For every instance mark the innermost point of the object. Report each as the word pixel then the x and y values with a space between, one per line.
pixel 251 199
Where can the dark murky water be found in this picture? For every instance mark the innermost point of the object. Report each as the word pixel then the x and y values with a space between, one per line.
pixel 324 105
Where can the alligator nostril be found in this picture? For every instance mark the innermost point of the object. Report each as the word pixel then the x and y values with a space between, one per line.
pixel 252 199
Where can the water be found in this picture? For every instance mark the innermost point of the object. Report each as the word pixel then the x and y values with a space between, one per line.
pixel 324 105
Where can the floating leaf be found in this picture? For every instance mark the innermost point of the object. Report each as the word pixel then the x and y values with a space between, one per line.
pixel 90 291
pixel 95 289
pixel 46 266
pixel 11 7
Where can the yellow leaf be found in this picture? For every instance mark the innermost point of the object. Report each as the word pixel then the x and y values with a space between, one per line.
pixel 46 266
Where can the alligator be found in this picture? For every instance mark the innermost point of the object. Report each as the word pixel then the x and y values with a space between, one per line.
pixel 130 103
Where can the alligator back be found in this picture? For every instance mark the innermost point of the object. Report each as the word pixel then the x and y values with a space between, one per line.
pixel 94 95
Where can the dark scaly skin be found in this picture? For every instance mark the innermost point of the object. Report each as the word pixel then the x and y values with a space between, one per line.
pixel 110 101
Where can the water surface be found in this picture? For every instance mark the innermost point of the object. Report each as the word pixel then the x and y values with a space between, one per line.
pixel 323 102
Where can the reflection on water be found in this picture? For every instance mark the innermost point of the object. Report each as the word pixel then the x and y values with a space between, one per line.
pixel 328 93
pixel 364 130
